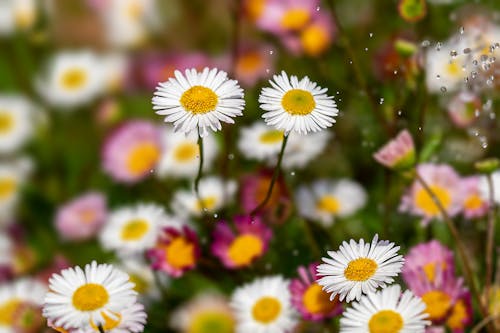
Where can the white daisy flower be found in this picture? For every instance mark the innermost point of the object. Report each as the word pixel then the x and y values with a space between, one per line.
pixel 260 142
pixel 16 122
pixel 132 230
pixel 264 306
pixel 181 154
pixel 17 15
pixel 214 194
pixel 6 248
pixel 300 106
pixel 198 101
pixel 79 298
pixel 300 149
pixel 13 175
pixel 72 78
pixel 484 188
pixel 142 276
pixel 386 311
pixel 116 66
pixel 130 320
pixel 358 268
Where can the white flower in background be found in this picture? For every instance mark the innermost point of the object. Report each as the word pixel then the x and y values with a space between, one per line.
pixel 324 200
pixel 214 193
pixel 17 15
pixel 79 298
pixel 6 248
pixel 388 311
pixel 260 141
pixel 359 268
pixel 302 149
pixel 116 67
pixel 72 78
pixel 17 116
pixel 300 106
pixel 13 175
pixel 142 276
pixel 134 229
pixel 181 155
pixel 264 306
pixel 198 101
pixel 484 188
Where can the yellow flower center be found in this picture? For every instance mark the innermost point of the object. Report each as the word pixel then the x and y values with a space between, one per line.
pixel 360 269
pixel 199 100
pixel 109 322
pixel 424 201
pixel 7 311
pixel 473 202
pixel 207 203
pixel 430 270
pixel 90 297
pixel 316 300
pixel 458 316
pixel 437 304
pixel 6 122
pixel 7 187
pixel 143 158
pixel 180 253
pixel 244 249
pixel 140 285
pixel 249 62
pixel 453 68
pixel 266 310
pixel 298 102
pixel 295 19
pixel 329 204
pixel 134 230
pixel 74 79
pixel 212 321
pixel 186 151
pixel 385 321
pixel 271 137
pixel 314 40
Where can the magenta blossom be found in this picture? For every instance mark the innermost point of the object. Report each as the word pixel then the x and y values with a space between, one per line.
pixel 399 153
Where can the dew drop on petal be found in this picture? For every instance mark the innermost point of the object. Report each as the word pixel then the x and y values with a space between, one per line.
pixel 443 89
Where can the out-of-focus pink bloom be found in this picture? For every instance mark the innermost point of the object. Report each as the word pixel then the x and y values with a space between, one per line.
pixel 284 16
pixel 423 261
pixel 398 153
pixel 82 217
pixel 463 108
pixel 309 298
pixel 474 204
pixel 240 249
pixel 253 64
pixel 446 185
pixel 176 251
pixel 132 151
pixel 108 112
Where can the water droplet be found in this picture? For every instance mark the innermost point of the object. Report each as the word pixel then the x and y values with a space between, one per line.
pixel 370 34
pixel 271 51
pixel 462 30
pixel 216 216
pixel 477 113
pixel 492 60
pixel 230 156
pixel 492 115
pixel 443 89
pixel 395 72
pixel 419 128
pixel 473 74
pixel 381 101
pixel 475 62
pixel 338 92
pixel 489 82
pixel 366 49
pixel 292 173
pixel 467 50
pixel 438 46
pixel 318 8
pixel 425 43
pixel 487 106
pixel 268 70
pixel 350 62
pixel 453 53
pixel 438 77
pixel 484 57
pixel 400 112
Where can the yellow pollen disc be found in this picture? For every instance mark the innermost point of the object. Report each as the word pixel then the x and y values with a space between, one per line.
pixel 424 201
pixel 244 249
pixel 295 19
pixel 134 230
pixel 473 202
pixel 110 322
pixel 212 322
pixel 207 203
pixel 143 158
pixel 360 269
pixel 199 100
pixel 437 304
pixel 458 316
pixel 186 151
pixel 7 187
pixel 316 300
pixel 314 40
pixel 430 271
pixel 74 79
pixel 453 68
pixel 140 285
pixel 90 297
pixel 24 18
pixel 298 102
pixel 266 310
pixel 386 321
pixel 180 253
pixel 271 137
pixel 249 62
pixel 329 204
pixel 8 310
pixel 6 122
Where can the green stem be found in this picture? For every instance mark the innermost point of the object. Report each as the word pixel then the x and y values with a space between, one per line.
pixel 200 174
pixel 273 180
pixel 490 239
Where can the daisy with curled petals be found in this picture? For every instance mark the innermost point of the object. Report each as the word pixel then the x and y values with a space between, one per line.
pixel 386 311
pixel 199 100
pixel 79 298
pixel 299 106
pixel 359 268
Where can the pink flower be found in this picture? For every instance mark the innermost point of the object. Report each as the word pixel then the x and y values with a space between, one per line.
pixel 425 260
pixel 444 182
pixel 82 217
pixel 240 249
pixel 462 108
pixel 474 204
pixel 132 151
pixel 253 63
pixel 285 16
pixel 175 252
pixel 309 298
pixel 398 153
